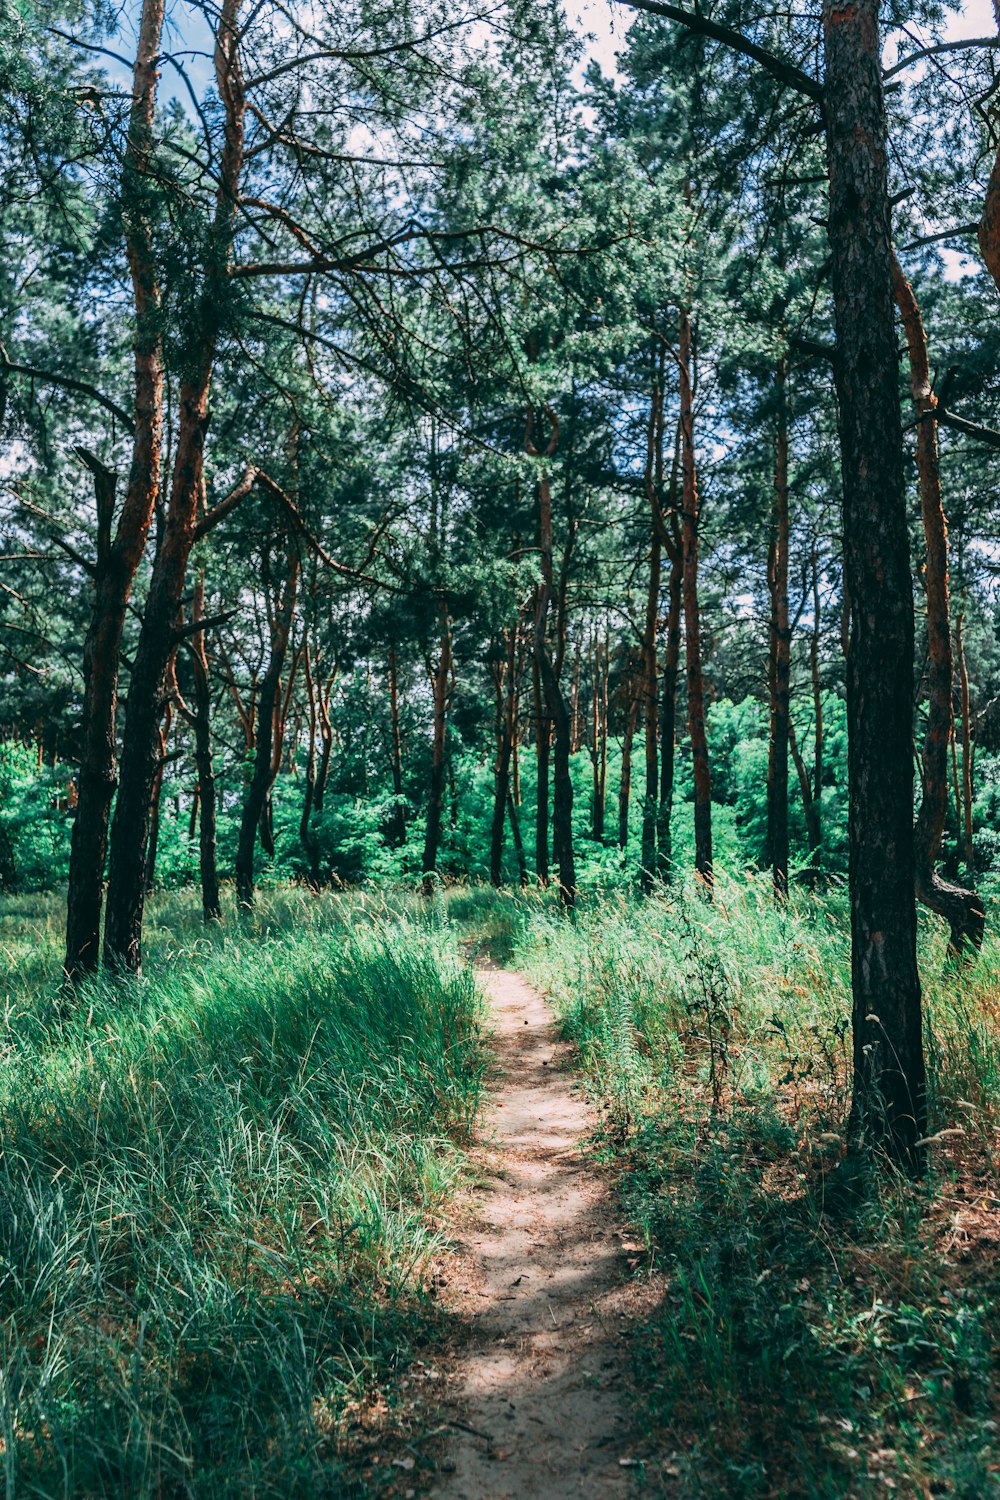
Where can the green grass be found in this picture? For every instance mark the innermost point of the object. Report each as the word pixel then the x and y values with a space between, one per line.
pixel 792 1352
pixel 217 1194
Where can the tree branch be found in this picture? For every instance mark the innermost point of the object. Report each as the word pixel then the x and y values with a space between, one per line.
pixel 785 72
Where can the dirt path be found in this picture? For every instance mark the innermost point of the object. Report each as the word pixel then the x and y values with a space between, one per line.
pixel 539 1281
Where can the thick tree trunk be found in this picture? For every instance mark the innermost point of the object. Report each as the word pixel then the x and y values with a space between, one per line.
pixel 268 726
pixel 515 828
pixel 158 635
pixel 692 615
pixel 890 1105
pixel 118 562
pixel 780 649
pixel 962 909
pixel 439 765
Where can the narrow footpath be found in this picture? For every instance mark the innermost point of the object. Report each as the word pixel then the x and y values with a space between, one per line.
pixel 535 1401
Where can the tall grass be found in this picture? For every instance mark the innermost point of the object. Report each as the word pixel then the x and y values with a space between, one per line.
pixel 216 1192
pixel 794 1352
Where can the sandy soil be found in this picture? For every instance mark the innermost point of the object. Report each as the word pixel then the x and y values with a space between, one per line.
pixel 535 1400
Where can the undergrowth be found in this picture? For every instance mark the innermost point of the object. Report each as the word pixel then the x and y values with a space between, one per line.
pixel 793 1351
pixel 217 1195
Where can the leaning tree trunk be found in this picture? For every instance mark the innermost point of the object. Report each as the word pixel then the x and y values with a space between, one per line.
pixel 149 878
pixel 439 765
pixel 890 1104
pixel 159 632
pixel 268 713
pixel 962 909
pixel 118 561
pixel 780 650
pixel 692 614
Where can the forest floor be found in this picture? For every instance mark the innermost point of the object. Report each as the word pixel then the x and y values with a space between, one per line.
pixel 536 1403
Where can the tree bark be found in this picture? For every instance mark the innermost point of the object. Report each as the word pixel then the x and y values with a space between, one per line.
pixel 650 708
pixel 599 743
pixel 211 900
pixel 692 614
pixel 780 652
pixel 962 909
pixel 817 695
pixel 268 725
pixel 397 823
pixel 668 721
pixel 963 681
pixel 307 837
pixel 543 741
pixel 118 562
pixel 631 695
pixel 890 1106
pixel 506 709
pixel 158 634
pixel 435 801
pixel 149 876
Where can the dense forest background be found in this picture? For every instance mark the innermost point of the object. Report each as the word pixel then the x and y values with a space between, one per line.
pixel 465 260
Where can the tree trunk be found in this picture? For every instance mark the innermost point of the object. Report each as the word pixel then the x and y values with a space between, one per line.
pixel 806 787
pixel 543 731
pixel 625 780
pixel 558 711
pixel 962 909
pixel 211 901
pixel 780 653
pixel 118 562
pixel 963 680
pixel 506 710
pixel 515 828
pixel 817 695
pixel 269 718
pixel 158 634
pixel 599 743
pixel 692 616
pixel 890 1106
pixel 435 802
pixel 397 823
pixel 650 713
pixel 307 837
pixel 154 809
pixel 668 721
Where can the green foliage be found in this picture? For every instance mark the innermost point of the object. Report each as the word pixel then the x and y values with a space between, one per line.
pixel 217 1187
pixel 34 829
